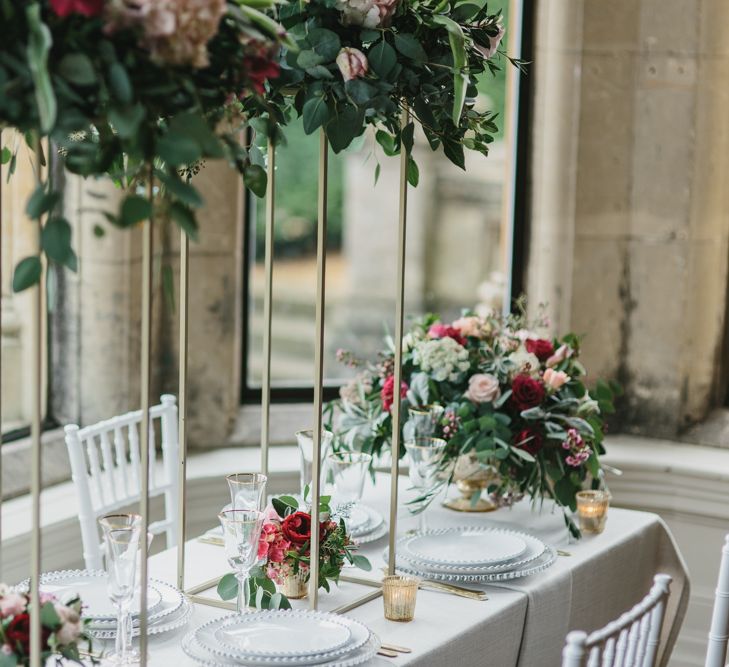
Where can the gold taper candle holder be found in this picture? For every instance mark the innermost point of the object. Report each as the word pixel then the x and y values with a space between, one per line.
pixel 399 594
pixel 592 508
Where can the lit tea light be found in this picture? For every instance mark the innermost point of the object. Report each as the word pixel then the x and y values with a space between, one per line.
pixel 592 508
pixel 399 594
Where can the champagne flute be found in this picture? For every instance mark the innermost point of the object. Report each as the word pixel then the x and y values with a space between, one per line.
pixel 241 533
pixel 425 455
pixel 247 490
pixel 122 533
pixel 305 440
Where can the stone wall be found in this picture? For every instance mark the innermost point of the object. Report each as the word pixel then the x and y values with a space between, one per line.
pixel 630 226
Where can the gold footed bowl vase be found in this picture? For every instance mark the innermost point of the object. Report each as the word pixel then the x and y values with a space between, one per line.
pixel 471 477
pixel 294 586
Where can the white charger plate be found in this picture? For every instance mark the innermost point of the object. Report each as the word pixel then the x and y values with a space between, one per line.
pixel 205 637
pixel 194 650
pixel 373 522
pixel 535 548
pixel 465 546
pixel 281 636
pixel 91 587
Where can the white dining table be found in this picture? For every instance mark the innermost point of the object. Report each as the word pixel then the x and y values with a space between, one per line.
pixel 523 622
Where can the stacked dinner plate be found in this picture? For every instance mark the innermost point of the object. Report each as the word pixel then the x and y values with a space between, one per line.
pixel 365 524
pixel 472 555
pixel 292 638
pixel 167 607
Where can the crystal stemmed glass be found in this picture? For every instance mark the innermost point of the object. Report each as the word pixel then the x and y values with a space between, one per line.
pixel 247 490
pixel 305 440
pixel 424 419
pixel 425 455
pixel 348 470
pixel 122 533
pixel 241 532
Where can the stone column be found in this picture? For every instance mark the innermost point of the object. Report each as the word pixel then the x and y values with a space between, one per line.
pixel 630 228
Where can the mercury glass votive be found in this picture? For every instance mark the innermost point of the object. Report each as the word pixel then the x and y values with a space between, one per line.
pixel 399 594
pixel 592 508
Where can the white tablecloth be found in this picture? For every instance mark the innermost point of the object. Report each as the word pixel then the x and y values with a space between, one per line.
pixel 523 622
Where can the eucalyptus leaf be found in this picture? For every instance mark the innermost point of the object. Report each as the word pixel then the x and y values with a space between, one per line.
pixel 27 273
pixel 409 46
pixel 228 587
pixel 315 114
pixel 256 179
pixel 78 69
pixel 185 219
pixel 324 42
pixel 134 209
pixel 382 58
pixel 56 239
pixel 39 46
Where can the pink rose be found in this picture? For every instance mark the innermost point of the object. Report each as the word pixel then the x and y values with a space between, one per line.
pixel 386 9
pixel 483 388
pixel 440 330
pixel 352 63
pixel 469 326
pixel 276 555
pixel 555 379
pixel 72 626
pixel 563 352
pixel 12 604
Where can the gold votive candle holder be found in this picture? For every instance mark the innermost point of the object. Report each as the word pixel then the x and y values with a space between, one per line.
pixel 592 508
pixel 399 594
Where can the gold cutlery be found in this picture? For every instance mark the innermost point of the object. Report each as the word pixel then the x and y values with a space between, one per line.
pixel 388 653
pixel 217 541
pixel 396 648
pixel 470 593
pixel 560 552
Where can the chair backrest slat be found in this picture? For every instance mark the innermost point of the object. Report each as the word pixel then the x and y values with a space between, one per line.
pixel 106 470
pixel 719 631
pixel 630 641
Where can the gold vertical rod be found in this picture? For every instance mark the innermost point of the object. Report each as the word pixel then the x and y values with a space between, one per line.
pixel 1 364
pixel 35 434
pixel 145 381
pixel 321 257
pixel 399 322
pixel 267 311
pixel 182 407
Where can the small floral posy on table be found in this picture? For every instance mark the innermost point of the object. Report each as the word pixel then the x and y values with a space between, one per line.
pixel 62 629
pixel 284 554
pixel 512 397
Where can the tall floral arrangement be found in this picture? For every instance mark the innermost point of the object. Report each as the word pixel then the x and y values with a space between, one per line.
pixel 63 630
pixel 514 398
pixel 134 89
pixel 360 63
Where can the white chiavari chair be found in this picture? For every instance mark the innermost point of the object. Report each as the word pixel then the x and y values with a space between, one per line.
pixel 105 469
pixel 630 641
pixel 719 632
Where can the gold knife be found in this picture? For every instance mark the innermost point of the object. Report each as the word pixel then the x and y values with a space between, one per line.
pixel 388 653
pixel 453 590
pixel 395 647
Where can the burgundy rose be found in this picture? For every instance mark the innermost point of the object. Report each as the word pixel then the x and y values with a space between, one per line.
pixel 526 392
pixel 17 634
pixel 387 394
pixel 530 440
pixel 540 347
pixel 87 8
pixel 296 527
pixel 259 70
pixel 439 330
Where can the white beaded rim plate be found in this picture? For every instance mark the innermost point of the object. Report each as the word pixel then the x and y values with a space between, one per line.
pixel 174 623
pixel 535 548
pixel 96 579
pixel 247 634
pixel 375 535
pixel 465 546
pixel 206 639
pixel 374 521
pixel 194 650
pixel 545 561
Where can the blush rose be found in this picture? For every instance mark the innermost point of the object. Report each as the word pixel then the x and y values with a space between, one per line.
pixel 352 63
pixel 483 388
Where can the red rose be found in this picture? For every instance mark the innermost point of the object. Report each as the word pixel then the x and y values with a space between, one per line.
pixel 530 440
pixel 388 392
pixel 17 634
pixel 439 330
pixel 296 527
pixel 87 8
pixel 259 70
pixel 526 392
pixel 540 347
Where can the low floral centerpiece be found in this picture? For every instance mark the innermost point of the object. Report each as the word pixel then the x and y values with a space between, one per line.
pixel 511 397
pixel 284 560
pixel 63 630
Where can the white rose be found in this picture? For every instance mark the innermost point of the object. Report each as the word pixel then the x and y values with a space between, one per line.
pixel 524 362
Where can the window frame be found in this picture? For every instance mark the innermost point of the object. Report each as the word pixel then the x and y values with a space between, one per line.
pixel 251 395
